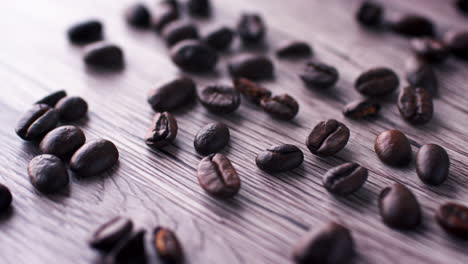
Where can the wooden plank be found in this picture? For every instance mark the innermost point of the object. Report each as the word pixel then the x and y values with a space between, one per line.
pixel 159 187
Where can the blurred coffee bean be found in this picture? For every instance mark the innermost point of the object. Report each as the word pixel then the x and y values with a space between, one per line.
pixel 279 158
pixel 52 99
pixel 138 15
pixel 294 49
pixel 5 198
pixel 179 30
pixel 172 95
pixel 200 8
pixel 412 25
pixel 104 56
pixel 457 42
pixel 36 122
pixel 399 208
pixel 370 14
pixel 453 218
pixel 252 91
pixel 218 177
pixel 71 108
pixel 94 157
pixel 319 75
pixel 280 106
pixel 361 109
pixel 251 28
pixel 250 66
pixel 164 13
pixel 378 81
pixel 111 233
pixel 220 99
pixel 327 138
pixel 393 148
pixel 194 56
pixel 421 74
pixel 432 164
pixel 85 32
pixel 48 174
pixel 430 50
pixel 211 138
pixel 415 105
pixel 220 39
pixel 131 250
pixel 345 178
pixel 162 131
pixel 167 245
pixel 63 141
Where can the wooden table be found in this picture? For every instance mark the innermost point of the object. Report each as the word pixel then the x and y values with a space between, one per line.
pixel 154 188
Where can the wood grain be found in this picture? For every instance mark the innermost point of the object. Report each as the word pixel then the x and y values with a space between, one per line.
pixel 160 187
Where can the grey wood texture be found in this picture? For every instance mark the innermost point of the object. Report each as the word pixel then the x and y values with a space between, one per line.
pixel 271 212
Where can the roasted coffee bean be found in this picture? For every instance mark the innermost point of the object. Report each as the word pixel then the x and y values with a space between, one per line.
pixel 138 15
pixel 165 13
pixel 36 122
pixel 167 245
pixel 71 108
pixel 255 67
pixel 327 138
pixel 329 244
pixel 129 251
pixel 457 43
pixel 370 14
pixel 63 141
pixel 220 39
pixel 104 56
pixel 421 74
pixel 94 157
pixel 462 5
pixel 211 138
pixel 172 95
pixel 430 49
pixel 393 148
pixel 453 218
pixel 5 198
pixel 415 105
pixel 219 98
pixel 319 75
pixel 377 82
pixel 85 32
pixel 218 177
pixel 52 99
pixel 194 56
pixel 252 91
pixel 361 109
pixel 280 158
pixel 398 207
pixel 412 25
pixel 162 131
pixel 48 173
pixel 432 164
pixel 294 49
pixel 345 178
pixel 179 30
pixel 251 28
pixel 280 106
pixel 111 233
pixel 199 7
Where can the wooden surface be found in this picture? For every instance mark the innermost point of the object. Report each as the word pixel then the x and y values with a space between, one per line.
pixel 160 187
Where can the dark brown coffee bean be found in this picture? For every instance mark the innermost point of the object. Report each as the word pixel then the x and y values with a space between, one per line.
pixel 453 218
pixel 280 106
pixel 71 108
pixel 330 244
pixel 162 131
pixel 52 99
pixel 211 138
pixel 5 198
pixel 421 74
pixel 219 98
pixel 94 157
pixel 36 122
pixel 111 233
pixel 345 178
pixel 432 164
pixel 167 245
pixel 251 28
pixel 218 177
pixel 294 49
pixel 280 158
pixel 462 5
pixel 415 105
pixel 172 95
pixel 430 49
pixel 255 67
pixel 412 25
pixel 179 30
pixel 361 109
pixel 63 141
pixel 164 13
pixel 377 82
pixel 399 208
pixel 220 39
pixel 85 32
pixel 194 56
pixel 393 148
pixel 138 15
pixel 457 43
pixel 370 14
pixel 128 251
pixel 104 56
pixel 328 138
pixel 48 173
pixel 200 8
pixel 252 91
pixel 319 75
